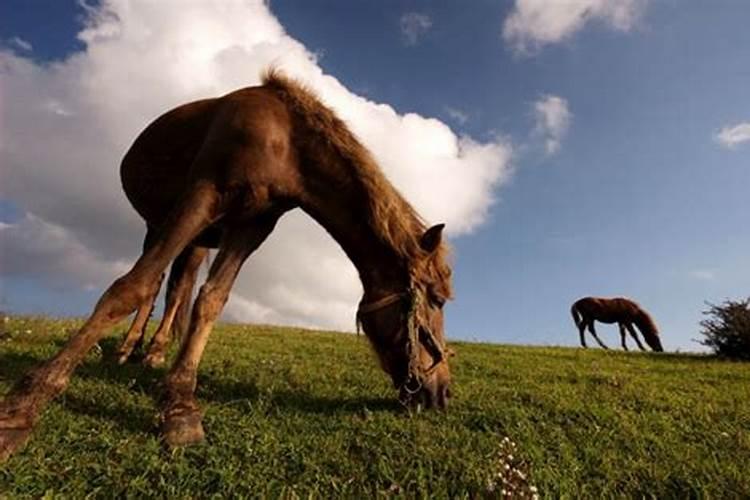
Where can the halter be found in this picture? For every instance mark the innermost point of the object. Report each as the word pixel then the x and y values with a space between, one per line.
pixel 415 373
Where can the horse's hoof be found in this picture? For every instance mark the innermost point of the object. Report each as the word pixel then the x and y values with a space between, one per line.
pixel 12 439
pixel 124 354
pixel 122 357
pixel 154 360
pixel 183 429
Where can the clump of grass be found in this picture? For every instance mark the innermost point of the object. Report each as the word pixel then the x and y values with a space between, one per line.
pixel 510 475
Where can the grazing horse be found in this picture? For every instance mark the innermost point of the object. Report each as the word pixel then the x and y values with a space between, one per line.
pixel 618 310
pixel 221 172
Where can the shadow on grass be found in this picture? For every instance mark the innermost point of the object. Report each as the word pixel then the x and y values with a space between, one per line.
pixel 212 389
pixel 13 365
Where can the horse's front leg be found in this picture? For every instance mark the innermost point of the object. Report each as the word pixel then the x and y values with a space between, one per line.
pixel 180 412
pixel 633 334
pixel 622 336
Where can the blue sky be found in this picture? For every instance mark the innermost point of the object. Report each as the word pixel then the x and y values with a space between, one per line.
pixel 637 198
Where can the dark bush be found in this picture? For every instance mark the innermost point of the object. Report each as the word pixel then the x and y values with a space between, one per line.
pixel 727 329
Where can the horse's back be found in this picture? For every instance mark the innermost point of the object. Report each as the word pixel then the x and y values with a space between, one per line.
pixel 156 170
pixel 606 309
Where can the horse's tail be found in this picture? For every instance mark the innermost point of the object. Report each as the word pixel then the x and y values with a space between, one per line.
pixel 576 315
pixel 649 330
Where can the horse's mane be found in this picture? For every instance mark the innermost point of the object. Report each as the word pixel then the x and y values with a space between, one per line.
pixel 391 217
pixel 645 322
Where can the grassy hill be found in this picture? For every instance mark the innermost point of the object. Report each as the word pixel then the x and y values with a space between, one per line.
pixel 298 413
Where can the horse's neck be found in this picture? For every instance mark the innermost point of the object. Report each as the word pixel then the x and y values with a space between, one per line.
pixel 345 217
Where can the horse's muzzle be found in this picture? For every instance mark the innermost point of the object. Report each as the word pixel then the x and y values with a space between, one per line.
pixel 428 396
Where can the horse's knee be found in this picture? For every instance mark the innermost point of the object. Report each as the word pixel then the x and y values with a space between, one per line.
pixel 209 303
pixel 125 295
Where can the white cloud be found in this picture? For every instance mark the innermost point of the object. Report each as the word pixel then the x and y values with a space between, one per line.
pixel 535 23
pixel 33 248
pixel 20 43
pixel 413 26
pixel 457 115
pixel 731 137
pixel 703 274
pixel 68 124
pixel 552 118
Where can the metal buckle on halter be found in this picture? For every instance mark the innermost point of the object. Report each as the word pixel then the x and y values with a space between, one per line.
pixel 417 384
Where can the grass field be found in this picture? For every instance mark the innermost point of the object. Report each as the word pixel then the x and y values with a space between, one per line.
pixel 297 413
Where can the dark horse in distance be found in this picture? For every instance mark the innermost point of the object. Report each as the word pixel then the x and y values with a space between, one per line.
pixel 622 311
pixel 221 172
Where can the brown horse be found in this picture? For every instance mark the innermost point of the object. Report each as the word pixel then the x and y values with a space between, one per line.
pixel 222 171
pixel 618 310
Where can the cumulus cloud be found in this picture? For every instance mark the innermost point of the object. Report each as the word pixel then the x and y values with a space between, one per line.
pixel 413 26
pixel 731 137
pixel 552 118
pixel 457 115
pixel 535 23
pixel 68 124
pixel 35 248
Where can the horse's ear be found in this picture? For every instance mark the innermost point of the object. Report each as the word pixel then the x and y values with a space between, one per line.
pixel 431 238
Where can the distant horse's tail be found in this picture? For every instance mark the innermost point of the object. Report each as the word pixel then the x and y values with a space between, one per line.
pixel 576 316
pixel 649 330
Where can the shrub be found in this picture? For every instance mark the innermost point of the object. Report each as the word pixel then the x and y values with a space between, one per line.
pixel 727 329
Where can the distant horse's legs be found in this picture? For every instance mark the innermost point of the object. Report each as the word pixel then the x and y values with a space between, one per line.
pixel 622 336
pixel 134 337
pixel 182 277
pixel 633 334
pixel 180 411
pixel 20 410
pixel 596 337
pixel 581 330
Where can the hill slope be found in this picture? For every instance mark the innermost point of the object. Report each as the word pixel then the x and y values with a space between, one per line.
pixel 291 412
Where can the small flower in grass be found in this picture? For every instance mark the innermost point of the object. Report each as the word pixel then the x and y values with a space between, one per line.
pixel 508 478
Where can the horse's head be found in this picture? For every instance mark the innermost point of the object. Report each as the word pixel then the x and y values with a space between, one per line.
pixel 406 329
pixel 649 330
pixel 652 339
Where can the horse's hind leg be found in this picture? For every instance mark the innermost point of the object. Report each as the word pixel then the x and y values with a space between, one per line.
pixel 181 414
pixel 633 334
pixel 622 336
pixel 21 408
pixel 596 337
pixel 182 278
pixel 581 330
pixel 134 337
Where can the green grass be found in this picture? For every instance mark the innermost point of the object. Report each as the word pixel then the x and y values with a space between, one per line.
pixel 300 413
